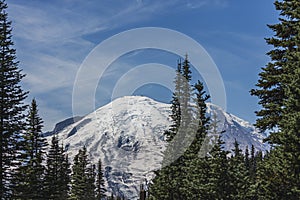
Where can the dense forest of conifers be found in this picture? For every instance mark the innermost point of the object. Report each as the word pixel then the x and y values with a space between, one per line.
pixel 195 166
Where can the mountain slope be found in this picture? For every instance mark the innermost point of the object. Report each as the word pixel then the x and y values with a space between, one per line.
pixel 127 134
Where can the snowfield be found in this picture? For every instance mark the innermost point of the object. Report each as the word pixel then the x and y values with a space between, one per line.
pixel 127 134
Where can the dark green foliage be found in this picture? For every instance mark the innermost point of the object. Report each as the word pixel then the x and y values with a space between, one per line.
pixel 247 159
pixel 203 122
pixel 205 171
pixel 185 137
pixel 165 183
pixel 218 184
pixel 31 173
pixel 279 94
pixel 90 191
pixel 186 93
pixel 83 177
pixel 194 158
pixel 238 174
pixel 253 163
pixel 11 105
pixel 65 176
pixel 175 105
pixel 79 175
pixel 208 176
pixel 100 183
pixel 57 175
pixel 275 80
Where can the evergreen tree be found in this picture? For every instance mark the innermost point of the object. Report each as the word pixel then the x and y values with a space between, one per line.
pixel 57 175
pixel 247 159
pixel 257 178
pixel 180 105
pixel 279 94
pixel 203 122
pixel 238 175
pixel 195 154
pixel 175 105
pixel 186 128
pixel 186 108
pixel 169 178
pixel 83 177
pixel 65 175
pixel 100 184
pixel 185 137
pixel 31 173
pixel 78 177
pixel 11 105
pixel 277 73
pixel 90 191
pixel 253 162
pixel 218 185
pixel 207 176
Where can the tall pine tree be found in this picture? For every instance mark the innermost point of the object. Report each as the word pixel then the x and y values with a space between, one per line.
pixel 11 105
pixel 218 184
pixel 175 105
pixel 184 137
pixel 168 180
pixel 193 156
pixel 57 175
pixel 238 174
pixel 31 173
pixel 279 94
pixel 83 177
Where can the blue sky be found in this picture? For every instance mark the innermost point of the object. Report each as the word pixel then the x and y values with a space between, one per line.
pixel 53 38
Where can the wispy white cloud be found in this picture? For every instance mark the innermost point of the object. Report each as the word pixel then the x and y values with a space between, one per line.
pixel 195 4
pixel 51 38
pixel 51 44
pixel 54 74
pixel 59 22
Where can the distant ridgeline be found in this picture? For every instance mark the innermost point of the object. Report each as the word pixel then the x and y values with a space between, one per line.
pixel 61 125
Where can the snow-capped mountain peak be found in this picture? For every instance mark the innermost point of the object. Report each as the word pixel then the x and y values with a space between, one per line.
pixel 127 134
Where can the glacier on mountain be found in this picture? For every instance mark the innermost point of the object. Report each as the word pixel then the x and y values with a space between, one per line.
pixel 127 134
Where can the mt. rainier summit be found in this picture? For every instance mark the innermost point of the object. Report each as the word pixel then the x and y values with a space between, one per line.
pixel 127 134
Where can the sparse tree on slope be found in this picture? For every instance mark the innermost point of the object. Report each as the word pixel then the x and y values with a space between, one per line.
pixel 100 184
